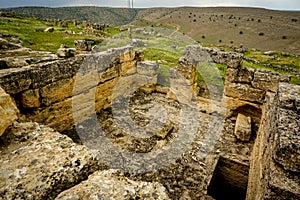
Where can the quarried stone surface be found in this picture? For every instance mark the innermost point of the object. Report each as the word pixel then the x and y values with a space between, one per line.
pixel 8 111
pixel 38 163
pixel 112 184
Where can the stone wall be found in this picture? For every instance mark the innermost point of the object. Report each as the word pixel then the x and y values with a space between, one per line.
pixel 45 93
pixel 274 172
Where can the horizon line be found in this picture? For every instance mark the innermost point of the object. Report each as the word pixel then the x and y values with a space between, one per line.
pixel 208 6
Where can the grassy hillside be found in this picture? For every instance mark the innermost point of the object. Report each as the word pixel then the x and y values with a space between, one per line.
pixel 31 32
pixel 248 27
pixel 113 16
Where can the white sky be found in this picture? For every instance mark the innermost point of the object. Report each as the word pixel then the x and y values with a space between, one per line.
pixel 271 4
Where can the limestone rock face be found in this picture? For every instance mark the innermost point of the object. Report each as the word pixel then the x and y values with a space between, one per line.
pixel 287 148
pixel 243 127
pixel 8 111
pixel 30 99
pixel 37 163
pixel 112 184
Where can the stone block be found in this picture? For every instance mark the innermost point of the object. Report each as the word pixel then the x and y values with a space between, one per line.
pixel 83 45
pixel 57 91
pixel 267 80
pixel 245 75
pixel 289 96
pixel 243 128
pixel 147 68
pixel 244 92
pixel 8 111
pixel 30 99
pixel 287 140
pixel 66 52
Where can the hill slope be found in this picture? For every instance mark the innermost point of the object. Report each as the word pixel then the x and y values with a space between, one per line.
pixel 252 27
pixel 113 16
pixel 248 27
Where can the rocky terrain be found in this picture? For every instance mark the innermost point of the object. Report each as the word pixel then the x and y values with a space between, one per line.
pixel 98 125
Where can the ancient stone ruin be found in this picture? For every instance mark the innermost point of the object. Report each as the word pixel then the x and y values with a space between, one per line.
pixel 99 126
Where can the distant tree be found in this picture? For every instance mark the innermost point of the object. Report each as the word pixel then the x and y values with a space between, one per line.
pixel 220 41
pixel 241 32
pixel 271 17
pixel 261 34
pixel 203 36
pixel 259 20
pixel 235 25
pixel 284 37
pixel 252 19
pixel 231 42
pixel 194 20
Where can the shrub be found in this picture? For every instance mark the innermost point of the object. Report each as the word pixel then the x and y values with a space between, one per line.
pixel 231 42
pixel 261 34
pixel 259 20
pixel 194 20
pixel 220 41
pixel 203 36
pixel 241 32
pixel 284 37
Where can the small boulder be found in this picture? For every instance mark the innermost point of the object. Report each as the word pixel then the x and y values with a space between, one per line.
pixel 65 52
pixel 49 30
pixel 243 127
pixel 84 45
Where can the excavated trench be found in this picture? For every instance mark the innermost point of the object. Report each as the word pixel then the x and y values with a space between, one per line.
pixel 229 180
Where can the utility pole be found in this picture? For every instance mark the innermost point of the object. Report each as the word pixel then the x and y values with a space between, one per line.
pixel 128 3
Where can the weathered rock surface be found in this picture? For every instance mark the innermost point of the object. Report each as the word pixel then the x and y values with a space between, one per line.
pixel 267 80
pixel 113 184
pixel 64 52
pixel 38 163
pixel 83 45
pixel 244 92
pixel 5 45
pixel 274 169
pixel 8 111
pixel 287 139
pixel 243 127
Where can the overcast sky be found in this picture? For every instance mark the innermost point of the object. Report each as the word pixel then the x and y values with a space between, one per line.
pixel 271 4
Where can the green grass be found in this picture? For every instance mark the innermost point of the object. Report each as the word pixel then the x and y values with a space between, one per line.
pixel 283 60
pixel 31 32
